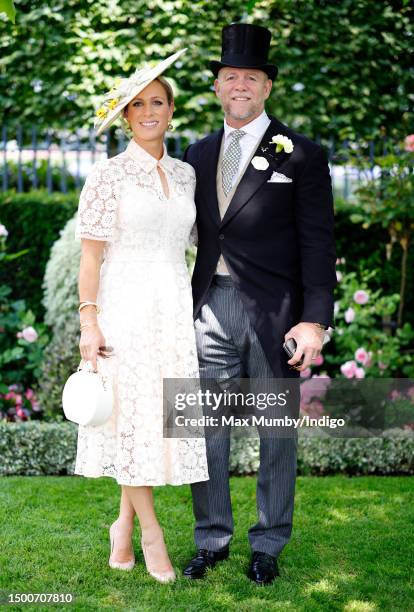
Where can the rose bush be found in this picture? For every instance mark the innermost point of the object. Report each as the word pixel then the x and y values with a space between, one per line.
pixel 18 404
pixel 386 199
pixel 365 343
pixel 22 341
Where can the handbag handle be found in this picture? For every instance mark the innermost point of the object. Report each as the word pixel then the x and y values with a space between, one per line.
pixel 89 370
pixel 87 367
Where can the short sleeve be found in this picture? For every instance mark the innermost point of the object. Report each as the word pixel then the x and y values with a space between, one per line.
pixel 98 203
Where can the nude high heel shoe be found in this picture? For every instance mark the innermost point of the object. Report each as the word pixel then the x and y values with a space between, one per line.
pixel 159 576
pixel 127 565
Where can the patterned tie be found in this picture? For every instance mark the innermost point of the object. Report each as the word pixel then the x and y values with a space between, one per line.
pixel 231 160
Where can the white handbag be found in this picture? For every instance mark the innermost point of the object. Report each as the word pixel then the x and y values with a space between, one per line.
pixel 87 396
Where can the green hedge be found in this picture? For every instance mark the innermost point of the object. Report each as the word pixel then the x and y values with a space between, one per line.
pixel 37 449
pixel 391 454
pixel 33 221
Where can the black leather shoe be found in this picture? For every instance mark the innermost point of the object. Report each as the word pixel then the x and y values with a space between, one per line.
pixel 203 560
pixel 263 568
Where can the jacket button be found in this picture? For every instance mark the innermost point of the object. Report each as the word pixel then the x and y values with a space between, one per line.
pixel 221 237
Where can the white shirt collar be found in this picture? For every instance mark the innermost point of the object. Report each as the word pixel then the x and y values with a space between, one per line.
pixel 147 162
pixel 255 128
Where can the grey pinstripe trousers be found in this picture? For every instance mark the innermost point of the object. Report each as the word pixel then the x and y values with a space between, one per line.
pixel 228 347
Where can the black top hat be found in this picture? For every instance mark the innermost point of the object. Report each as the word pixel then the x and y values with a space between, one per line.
pixel 245 46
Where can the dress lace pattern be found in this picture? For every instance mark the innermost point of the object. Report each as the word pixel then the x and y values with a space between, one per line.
pixel 146 316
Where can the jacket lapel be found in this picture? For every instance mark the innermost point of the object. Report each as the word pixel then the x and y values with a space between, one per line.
pixel 209 176
pixel 253 179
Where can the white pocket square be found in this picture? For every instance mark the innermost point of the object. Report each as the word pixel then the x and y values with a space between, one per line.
pixel 278 177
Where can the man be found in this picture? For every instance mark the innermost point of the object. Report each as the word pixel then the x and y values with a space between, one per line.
pixel 265 272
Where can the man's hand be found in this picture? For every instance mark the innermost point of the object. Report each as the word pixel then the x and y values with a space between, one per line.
pixel 309 339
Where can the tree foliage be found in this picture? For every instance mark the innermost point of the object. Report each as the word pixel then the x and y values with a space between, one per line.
pixel 7 7
pixel 345 68
pixel 351 61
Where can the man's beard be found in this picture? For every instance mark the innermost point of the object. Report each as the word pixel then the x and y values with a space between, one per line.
pixel 253 110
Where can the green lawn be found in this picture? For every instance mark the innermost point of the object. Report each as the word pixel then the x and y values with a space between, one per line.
pixel 352 547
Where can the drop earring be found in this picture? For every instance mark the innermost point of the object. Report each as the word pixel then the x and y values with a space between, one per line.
pixel 126 127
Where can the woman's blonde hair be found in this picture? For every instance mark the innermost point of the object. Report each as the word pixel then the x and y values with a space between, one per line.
pixel 167 88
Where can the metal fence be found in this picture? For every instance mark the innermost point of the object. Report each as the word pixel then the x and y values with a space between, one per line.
pixel 60 160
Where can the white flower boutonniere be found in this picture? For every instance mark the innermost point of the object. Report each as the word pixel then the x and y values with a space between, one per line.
pixel 283 143
pixel 260 163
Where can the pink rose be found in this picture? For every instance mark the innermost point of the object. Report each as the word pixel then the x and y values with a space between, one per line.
pixel 349 368
pixel 312 388
pixel 19 335
pixel 315 409
pixel 306 373
pixel 362 356
pixel 29 334
pixel 382 365
pixel 409 143
pixel 361 297
pixel 306 391
pixel 395 394
pixel 3 230
pixel 29 394
pixel 322 384
pixel 338 276
pixel 349 315
pixel 359 373
pixel 318 361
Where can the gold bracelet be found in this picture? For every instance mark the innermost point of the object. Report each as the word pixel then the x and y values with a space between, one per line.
pixel 83 304
pixel 84 325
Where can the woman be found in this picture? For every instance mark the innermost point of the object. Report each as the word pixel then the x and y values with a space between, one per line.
pixel 136 211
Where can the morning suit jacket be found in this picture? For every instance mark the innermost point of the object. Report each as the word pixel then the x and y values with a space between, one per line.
pixel 277 238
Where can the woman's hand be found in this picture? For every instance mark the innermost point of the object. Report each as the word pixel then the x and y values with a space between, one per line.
pixel 90 342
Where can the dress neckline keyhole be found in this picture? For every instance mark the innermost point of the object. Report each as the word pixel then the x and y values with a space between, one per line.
pixel 164 182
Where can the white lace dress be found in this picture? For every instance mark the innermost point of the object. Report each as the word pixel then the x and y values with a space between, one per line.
pixel 146 302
